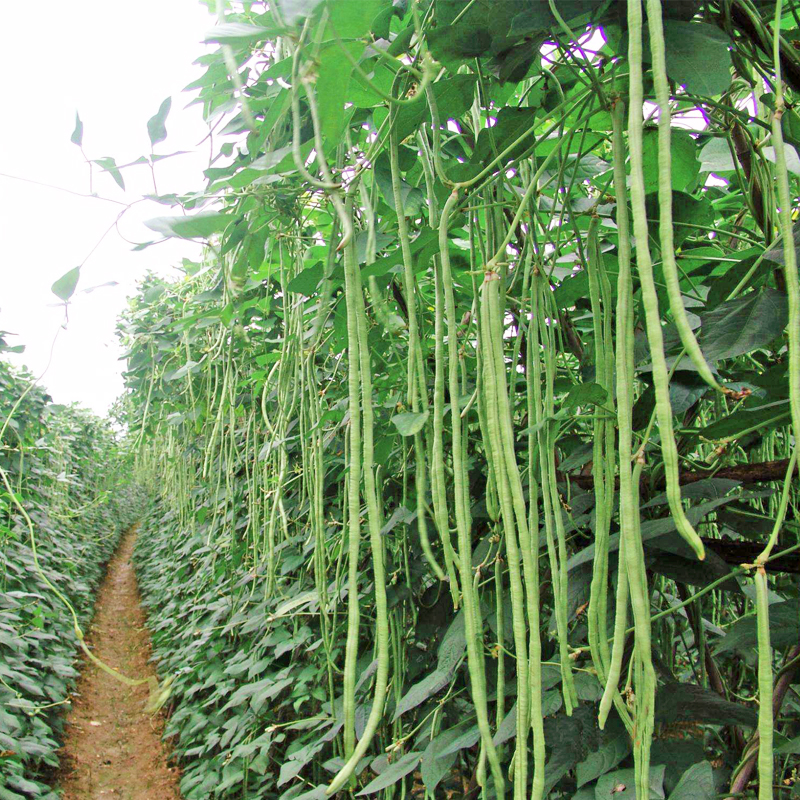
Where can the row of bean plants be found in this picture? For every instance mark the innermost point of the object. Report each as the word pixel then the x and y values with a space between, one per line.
pixel 472 435
pixel 64 501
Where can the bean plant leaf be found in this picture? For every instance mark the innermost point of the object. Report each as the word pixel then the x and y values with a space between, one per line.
pixel 65 286
pixel 585 394
pixel 77 133
pixel 651 529
pixel 332 86
pixel 434 766
pixel 197 226
pixel 684 702
pixel 570 740
pixel 760 417
pixel 451 651
pixel 697 783
pixel 353 20
pixel 239 32
pixel 293 11
pixel 109 165
pixel 685 164
pixel 412 197
pixel 777 254
pixel 743 325
pixel 422 690
pixel 790 747
pixel 156 125
pixel 399 769
pixel 697 56
pixel 614 747
pixel 306 282
pixel 717 156
pixel 784 626
pixel 410 422
pixel 620 785
pixel 467 738
pixel 792 158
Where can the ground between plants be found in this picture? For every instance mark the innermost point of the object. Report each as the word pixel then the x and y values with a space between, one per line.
pixel 112 745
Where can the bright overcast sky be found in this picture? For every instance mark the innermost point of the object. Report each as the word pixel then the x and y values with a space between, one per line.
pixel 114 63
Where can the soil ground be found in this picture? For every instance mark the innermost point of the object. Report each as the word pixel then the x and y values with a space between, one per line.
pixel 112 746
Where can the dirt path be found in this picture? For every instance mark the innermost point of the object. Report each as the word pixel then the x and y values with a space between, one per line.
pixel 112 747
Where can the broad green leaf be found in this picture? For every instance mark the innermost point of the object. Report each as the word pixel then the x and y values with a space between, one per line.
pixel 423 247
pixel 268 161
pixel 716 156
pixel 745 324
pixel 422 690
pixel 760 417
pixel 790 122
pixel 466 739
pixel 306 281
pixel 512 125
pixel 412 197
pixel 451 651
pixel 64 287
pixel 462 31
pixel 620 785
pixel 363 95
pixel 453 643
pixel 552 702
pixel 585 394
pixel 677 756
pixel 723 285
pixel 156 125
pixel 239 32
pixel 685 702
pixel 400 768
pixel 319 793
pixel 784 627
pixel 697 56
pixel 296 602
pixel 776 253
pixel 409 422
pixel 685 209
pixel 792 158
pixel 685 389
pixel 197 226
pixel 539 15
pixel 615 745
pixel 382 241
pixel 685 165
pixel 588 687
pixel 651 529
pixel 293 11
pixel 353 20
pixel 77 133
pixel 109 165
pixel 677 561
pixel 454 96
pixel 333 82
pixel 181 372
pixel 697 783
pixel 790 747
pixel 570 740
pixel 289 769
pixel 434 765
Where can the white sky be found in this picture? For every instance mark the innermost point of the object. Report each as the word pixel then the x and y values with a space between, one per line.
pixel 114 63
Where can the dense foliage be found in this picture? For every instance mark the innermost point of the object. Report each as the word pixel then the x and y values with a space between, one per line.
pixel 494 293
pixel 60 467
